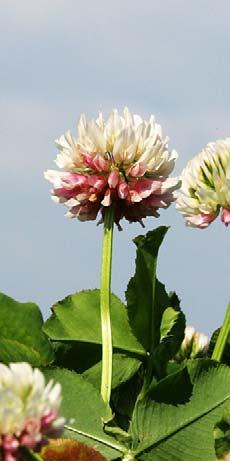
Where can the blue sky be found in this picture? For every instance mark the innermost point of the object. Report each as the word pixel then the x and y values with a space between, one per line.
pixel 65 57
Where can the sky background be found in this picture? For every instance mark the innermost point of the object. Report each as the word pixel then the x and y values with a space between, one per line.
pixel 64 57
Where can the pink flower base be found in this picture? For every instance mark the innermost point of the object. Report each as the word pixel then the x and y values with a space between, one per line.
pixel 202 220
pixel 133 199
pixel 33 436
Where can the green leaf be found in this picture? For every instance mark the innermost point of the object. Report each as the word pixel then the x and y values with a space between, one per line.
pixel 83 403
pixel 175 432
pixel 222 434
pixel 171 336
pixel 124 398
pixel 77 318
pixel 124 367
pixel 169 319
pixel 75 355
pixel 142 302
pixel 226 355
pixel 173 367
pixel 180 385
pixel 155 316
pixel 21 336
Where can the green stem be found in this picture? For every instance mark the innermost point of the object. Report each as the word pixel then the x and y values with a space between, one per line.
pixel 106 264
pixel 129 456
pixel 222 337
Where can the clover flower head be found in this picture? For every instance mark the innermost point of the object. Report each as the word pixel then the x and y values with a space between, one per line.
pixel 28 410
pixel 205 189
pixel 194 345
pixel 123 161
pixel 200 345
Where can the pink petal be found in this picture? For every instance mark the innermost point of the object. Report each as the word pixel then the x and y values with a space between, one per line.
pixel 88 160
pixel 83 196
pixel 113 179
pixel 10 442
pixel 225 216
pixel 27 440
pixel 100 164
pixel 97 181
pixel 93 197
pixel 107 198
pixel 202 220
pixel 134 196
pixel 160 201
pixel 48 419
pixel 74 179
pixel 64 193
pixel 140 188
pixel 66 179
pixel 10 445
pixel 10 457
pixel 123 190
pixel 86 212
pixel 136 170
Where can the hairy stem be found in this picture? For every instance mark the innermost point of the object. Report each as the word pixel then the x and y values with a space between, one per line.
pixel 106 264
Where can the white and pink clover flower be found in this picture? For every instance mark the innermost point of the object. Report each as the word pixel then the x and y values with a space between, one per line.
pixel 123 161
pixel 28 410
pixel 194 345
pixel 205 190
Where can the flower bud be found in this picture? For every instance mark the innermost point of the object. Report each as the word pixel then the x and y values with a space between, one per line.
pixel 205 189
pixel 193 345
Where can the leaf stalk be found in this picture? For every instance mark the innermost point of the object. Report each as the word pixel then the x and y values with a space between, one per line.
pixel 222 337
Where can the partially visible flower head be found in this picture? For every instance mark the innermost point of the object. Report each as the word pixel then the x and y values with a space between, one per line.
pixel 205 189
pixel 194 345
pixel 123 161
pixel 28 409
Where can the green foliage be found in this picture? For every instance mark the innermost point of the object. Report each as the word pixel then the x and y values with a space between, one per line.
pixel 160 410
pixel 21 336
pixel 226 355
pixel 144 315
pixel 76 355
pixel 222 434
pixel 85 411
pixel 169 319
pixel 124 398
pixel 77 318
pixel 124 367
pixel 155 316
pixel 180 386
pixel 171 336
pixel 164 431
